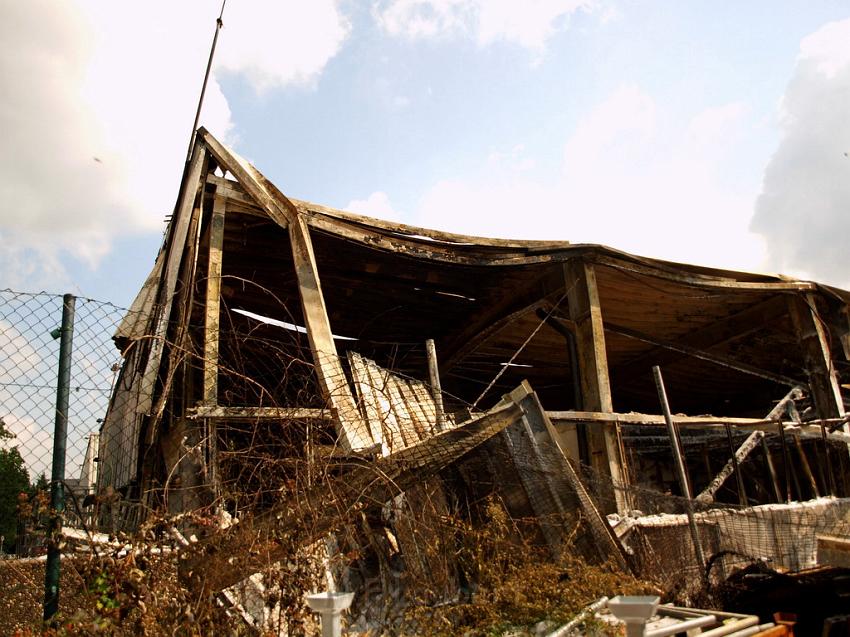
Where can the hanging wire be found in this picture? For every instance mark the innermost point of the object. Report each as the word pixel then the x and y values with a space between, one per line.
pixel 519 351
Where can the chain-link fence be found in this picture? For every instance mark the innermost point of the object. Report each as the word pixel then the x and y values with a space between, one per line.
pixel 29 360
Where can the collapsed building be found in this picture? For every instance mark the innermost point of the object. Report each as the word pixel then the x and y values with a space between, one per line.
pixel 461 367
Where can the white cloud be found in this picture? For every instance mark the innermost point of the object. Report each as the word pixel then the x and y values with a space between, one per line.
pixel 423 18
pixel 623 123
pixel 610 15
pixel 515 159
pixel 529 24
pixel 624 184
pixel 100 104
pixel 803 207
pixel 375 205
pixel 827 48
pixel 276 44
pixel 19 362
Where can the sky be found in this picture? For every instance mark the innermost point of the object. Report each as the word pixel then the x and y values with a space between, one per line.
pixel 706 132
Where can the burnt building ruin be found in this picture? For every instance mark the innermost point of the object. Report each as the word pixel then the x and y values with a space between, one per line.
pixel 300 332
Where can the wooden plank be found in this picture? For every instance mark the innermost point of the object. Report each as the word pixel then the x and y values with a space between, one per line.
pixel 233 192
pixel 741 454
pixel 354 434
pixel 814 430
pixel 217 412
pixel 406 420
pixel 833 551
pixel 368 399
pixel 658 420
pixel 392 430
pixel 418 241
pixel 603 255
pixel 213 302
pixel 419 249
pixel 429 408
pixel 423 426
pixel 178 333
pixel 586 312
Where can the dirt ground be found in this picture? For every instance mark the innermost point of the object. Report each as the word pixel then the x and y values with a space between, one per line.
pixel 22 593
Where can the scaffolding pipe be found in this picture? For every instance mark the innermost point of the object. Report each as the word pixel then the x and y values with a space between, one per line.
pixel 680 464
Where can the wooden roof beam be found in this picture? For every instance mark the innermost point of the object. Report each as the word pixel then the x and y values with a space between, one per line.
pixel 352 429
pixel 722 361
pixel 513 304
pixel 725 330
pixel 602 255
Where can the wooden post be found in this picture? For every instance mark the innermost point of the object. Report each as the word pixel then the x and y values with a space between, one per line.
pixel 213 303
pixel 807 469
pixel 786 460
pixel 817 357
pixel 586 312
pixel 212 334
pixel 777 490
pixel 434 376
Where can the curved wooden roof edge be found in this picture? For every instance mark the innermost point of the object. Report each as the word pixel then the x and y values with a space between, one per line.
pixel 447 246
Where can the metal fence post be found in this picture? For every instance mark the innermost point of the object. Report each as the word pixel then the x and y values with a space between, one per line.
pixel 57 477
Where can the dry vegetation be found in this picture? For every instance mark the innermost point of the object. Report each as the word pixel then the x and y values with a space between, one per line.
pixel 512 588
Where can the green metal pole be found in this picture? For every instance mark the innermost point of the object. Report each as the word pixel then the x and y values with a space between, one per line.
pixel 60 435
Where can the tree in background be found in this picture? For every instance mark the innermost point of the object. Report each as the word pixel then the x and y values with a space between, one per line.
pixel 14 480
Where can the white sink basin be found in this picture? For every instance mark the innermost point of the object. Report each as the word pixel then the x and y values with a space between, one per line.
pixel 329 602
pixel 632 608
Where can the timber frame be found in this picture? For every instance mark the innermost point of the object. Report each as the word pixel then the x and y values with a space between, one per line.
pixel 731 343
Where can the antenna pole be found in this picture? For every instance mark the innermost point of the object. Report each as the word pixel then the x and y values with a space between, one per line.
pixel 218 25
